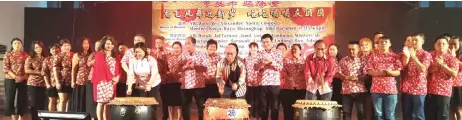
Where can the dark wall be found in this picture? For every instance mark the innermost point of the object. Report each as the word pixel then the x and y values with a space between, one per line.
pixel 433 22
pixel 355 20
pixel 121 19
pixel 397 19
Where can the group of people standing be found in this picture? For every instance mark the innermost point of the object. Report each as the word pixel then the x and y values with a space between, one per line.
pixel 87 80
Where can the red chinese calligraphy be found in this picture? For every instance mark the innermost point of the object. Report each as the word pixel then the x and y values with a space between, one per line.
pixel 261 3
pixel 248 3
pixel 219 4
pixel 274 3
pixel 232 3
pixel 207 3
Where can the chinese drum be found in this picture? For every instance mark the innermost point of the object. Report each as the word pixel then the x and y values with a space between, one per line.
pixel 316 110
pixel 133 108
pixel 226 109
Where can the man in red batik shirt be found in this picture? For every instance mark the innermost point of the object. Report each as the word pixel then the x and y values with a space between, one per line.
pixel 414 78
pixel 269 66
pixel 193 80
pixel 351 70
pixel 384 65
pixel 319 72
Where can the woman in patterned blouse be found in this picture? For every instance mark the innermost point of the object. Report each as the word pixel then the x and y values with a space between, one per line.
pixel 337 82
pixel 293 83
pixel 49 76
pixel 80 71
pixel 36 84
pixel 62 70
pixel 170 88
pixel 105 76
pixel 456 99
pixel 366 49
pixel 252 81
pixel 15 80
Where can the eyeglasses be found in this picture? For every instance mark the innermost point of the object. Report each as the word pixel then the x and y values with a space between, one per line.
pixel 229 53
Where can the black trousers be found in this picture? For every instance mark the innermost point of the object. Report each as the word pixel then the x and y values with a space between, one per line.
pixel 288 98
pixel 437 107
pixel 269 96
pixel 37 98
pixel 89 101
pixel 186 96
pixel 15 105
pixel 336 90
pixel 121 90
pixel 251 96
pixel 171 96
pixel 347 105
pixel 77 101
pixel 211 90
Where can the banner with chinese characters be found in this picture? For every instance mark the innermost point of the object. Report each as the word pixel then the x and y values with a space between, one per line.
pixel 244 22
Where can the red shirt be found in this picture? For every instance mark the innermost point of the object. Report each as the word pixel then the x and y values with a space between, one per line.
pixel 174 68
pixel 440 82
pixel 383 61
pixel 162 63
pixel 251 77
pixel 350 66
pixel 105 68
pixel 63 63
pixel 192 79
pixel 47 69
pixel 35 64
pixel 83 68
pixel 271 74
pixel 212 68
pixel 14 62
pixel 457 82
pixel 292 74
pixel 414 81
pixel 91 58
pixel 314 67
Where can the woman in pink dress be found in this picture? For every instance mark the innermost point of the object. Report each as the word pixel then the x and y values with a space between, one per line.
pixel 105 76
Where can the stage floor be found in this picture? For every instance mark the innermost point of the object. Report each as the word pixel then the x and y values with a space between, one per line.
pixel 194 115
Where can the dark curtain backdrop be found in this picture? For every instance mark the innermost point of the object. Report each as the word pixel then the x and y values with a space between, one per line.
pixel 397 19
pixel 120 19
pixel 354 20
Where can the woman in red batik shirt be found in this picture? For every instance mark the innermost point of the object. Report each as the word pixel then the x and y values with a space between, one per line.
pixel 62 70
pixel 456 99
pixel 336 82
pixel 293 85
pixel 443 69
pixel 253 89
pixel 105 76
pixel 170 89
pixel 47 72
pixel 35 83
pixel 80 71
pixel 15 80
